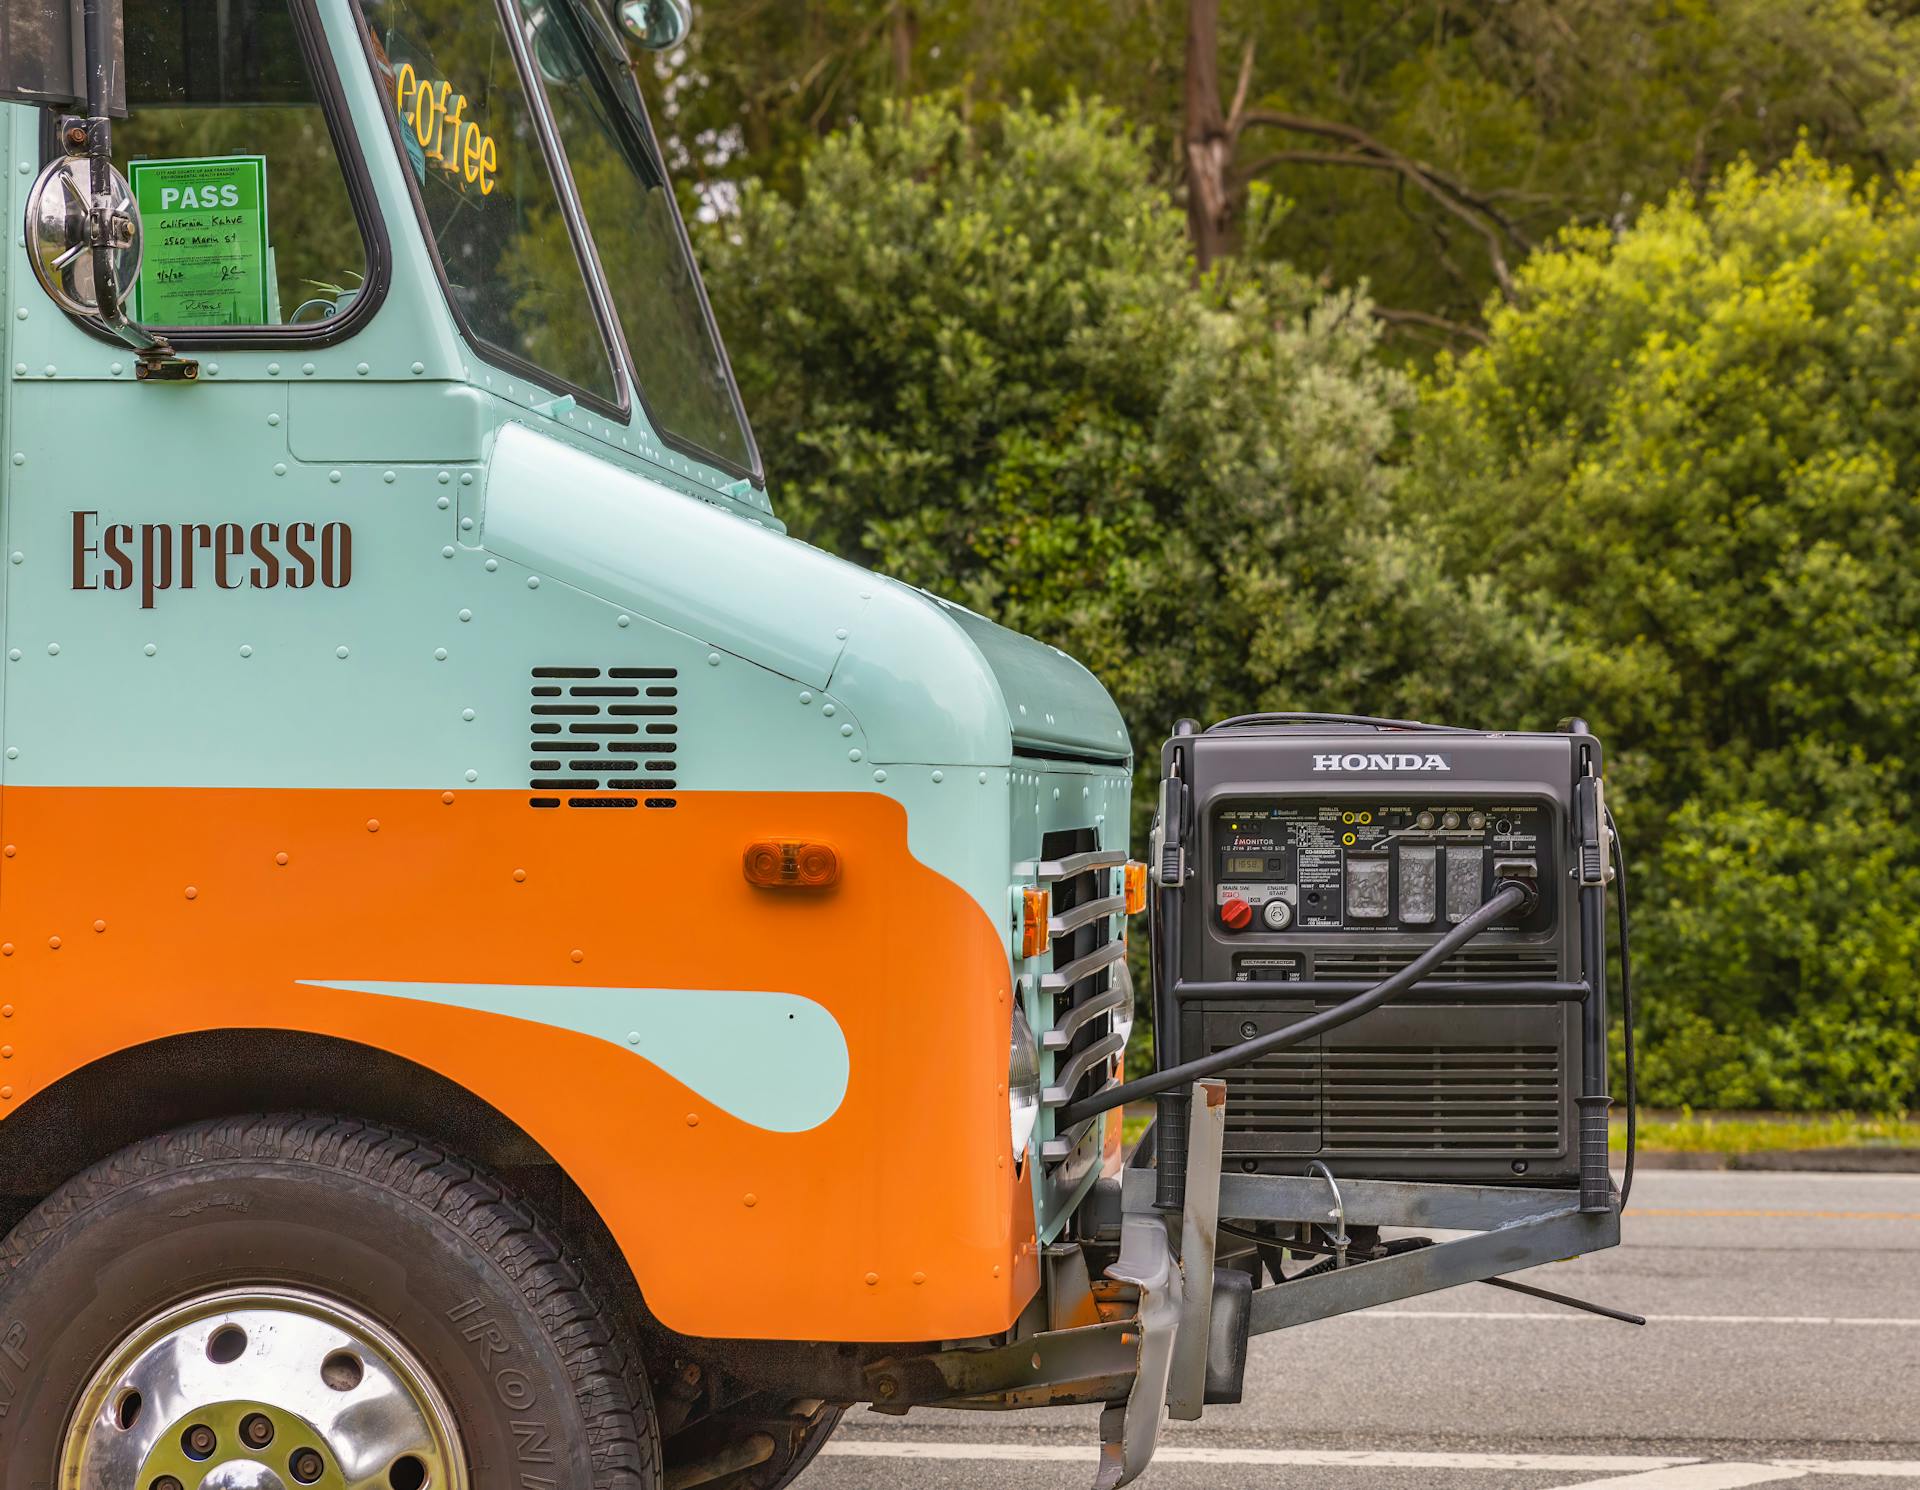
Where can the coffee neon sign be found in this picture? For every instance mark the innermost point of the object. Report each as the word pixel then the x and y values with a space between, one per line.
pixel 437 117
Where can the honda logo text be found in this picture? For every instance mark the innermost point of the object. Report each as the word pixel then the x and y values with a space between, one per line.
pixel 1381 763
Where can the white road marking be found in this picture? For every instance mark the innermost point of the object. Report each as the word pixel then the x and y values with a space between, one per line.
pixel 1695 1477
pixel 1271 1458
pixel 1569 1316
pixel 1628 1471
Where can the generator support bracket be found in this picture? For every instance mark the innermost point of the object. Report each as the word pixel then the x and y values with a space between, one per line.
pixel 1199 1238
pixel 1547 1237
pixel 1409 1203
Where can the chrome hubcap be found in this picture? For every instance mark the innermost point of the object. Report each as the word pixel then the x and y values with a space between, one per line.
pixel 261 1389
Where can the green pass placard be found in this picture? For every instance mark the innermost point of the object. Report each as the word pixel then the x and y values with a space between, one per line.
pixel 206 260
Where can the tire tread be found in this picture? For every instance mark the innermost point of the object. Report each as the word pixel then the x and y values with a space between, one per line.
pixel 608 1385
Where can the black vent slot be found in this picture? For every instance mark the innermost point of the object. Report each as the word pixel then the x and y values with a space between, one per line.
pixel 1454 1099
pixel 1457 1082
pixel 604 737
pixel 1492 964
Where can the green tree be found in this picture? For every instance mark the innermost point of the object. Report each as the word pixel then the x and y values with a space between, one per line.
pixel 1424 145
pixel 1690 445
pixel 977 360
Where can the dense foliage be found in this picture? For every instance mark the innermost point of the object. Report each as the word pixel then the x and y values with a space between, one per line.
pixel 1674 493
pixel 977 361
pixel 1694 446
pixel 1545 112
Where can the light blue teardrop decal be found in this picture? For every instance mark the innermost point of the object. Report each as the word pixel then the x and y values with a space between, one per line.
pixel 775 1060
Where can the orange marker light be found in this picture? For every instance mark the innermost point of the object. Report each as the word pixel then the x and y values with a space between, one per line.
pixel 782 864
pixel 1036 906
pixel 1136 887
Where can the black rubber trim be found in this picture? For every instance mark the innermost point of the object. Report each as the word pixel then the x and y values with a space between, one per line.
pixel 360 192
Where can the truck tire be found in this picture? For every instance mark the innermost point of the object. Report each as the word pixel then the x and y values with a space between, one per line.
pixel 249 1291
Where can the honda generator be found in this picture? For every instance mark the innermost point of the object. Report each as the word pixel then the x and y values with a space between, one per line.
pixel 1318 877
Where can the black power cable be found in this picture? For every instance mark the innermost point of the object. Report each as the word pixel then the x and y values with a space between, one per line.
pixel 1508 895
pixel 1626 1007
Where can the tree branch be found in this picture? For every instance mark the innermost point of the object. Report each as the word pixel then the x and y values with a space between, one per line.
pixel 1393 317
pixel 1245 82
pixel 1462 202
pixel 1246 173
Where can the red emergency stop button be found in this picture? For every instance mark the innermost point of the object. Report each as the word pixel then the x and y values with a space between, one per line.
pixel 1235 913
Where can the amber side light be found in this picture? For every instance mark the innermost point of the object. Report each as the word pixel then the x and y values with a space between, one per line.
pixel 1036 909
pixel 784 864
pixel 1136 887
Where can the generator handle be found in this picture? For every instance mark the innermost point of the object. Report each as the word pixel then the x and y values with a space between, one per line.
pixel 1510 895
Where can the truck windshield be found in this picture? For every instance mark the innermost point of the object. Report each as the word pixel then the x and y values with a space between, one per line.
pixel 472 139
pixel 684 380
pixel 472 146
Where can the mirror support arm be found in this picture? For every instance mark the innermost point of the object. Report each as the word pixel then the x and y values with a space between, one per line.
pixel 109 229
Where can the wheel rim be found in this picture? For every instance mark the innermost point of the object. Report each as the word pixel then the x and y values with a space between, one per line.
pixel 261 1389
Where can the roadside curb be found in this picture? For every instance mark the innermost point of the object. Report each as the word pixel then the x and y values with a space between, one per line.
pixel 1863 1160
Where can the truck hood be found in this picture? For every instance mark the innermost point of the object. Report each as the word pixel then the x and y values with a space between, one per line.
pixel 929 681
pixel 950 666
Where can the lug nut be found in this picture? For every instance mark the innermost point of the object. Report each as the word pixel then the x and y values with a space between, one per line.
pixel 257 1430
pixel 199 1441
pixel 307 1466
pixel 165 1482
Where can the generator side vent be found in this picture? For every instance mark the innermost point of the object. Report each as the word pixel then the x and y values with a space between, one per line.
pixel 604 737
pixel 1444 1100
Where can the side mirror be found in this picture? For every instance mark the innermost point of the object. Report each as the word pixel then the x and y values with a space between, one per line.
pixel 656 24
pixel 60 243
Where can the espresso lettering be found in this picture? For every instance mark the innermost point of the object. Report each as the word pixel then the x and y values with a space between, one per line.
pixel 119 546
pixel 266 573
pixel 228 543
pixel 302 578
pixel 336 555
pixel 156 555
pixel 167 556
pixel 81 550
pixel 197 535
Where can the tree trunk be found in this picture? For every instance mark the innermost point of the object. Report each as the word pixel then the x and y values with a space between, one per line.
pixel 1209 143
pixel 906 30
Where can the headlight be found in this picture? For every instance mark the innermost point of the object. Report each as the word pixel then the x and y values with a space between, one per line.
pixel 1023 1083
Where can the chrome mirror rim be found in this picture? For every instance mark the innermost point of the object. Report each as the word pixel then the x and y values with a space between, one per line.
pixel 57 249
pixel 655 25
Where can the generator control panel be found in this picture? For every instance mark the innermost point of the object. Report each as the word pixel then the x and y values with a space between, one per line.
pixel 1406 865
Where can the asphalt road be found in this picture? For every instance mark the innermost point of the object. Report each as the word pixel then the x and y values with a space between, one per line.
pixel 1783 1344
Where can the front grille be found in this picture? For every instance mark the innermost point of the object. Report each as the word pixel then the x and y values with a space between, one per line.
pixel 1493 964
pixel 1084 1027
pixel 604 737
pixel 1467 1100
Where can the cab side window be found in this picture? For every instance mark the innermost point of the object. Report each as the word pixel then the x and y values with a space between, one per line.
pixel 245 209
